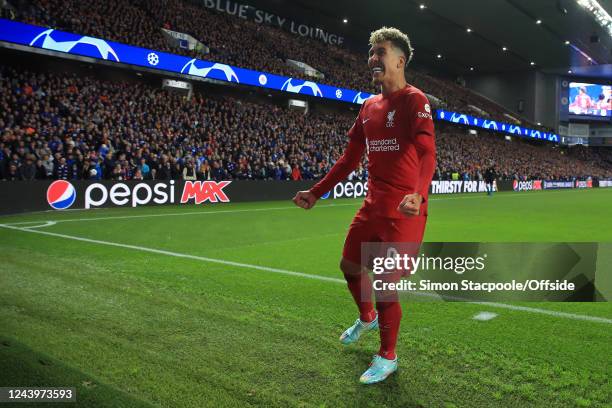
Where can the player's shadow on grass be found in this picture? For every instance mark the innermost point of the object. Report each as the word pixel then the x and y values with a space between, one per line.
pixel 20 366
pixel 391 392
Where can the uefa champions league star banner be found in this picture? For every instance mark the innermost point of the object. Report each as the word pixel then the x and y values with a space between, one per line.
pixel 493 125
pixel 79 45
pixel 75 44
pixel 490 271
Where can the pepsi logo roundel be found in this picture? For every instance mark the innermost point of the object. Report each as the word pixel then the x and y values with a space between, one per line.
pixel 61 195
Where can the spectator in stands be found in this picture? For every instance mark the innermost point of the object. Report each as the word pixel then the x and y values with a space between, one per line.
pixel 189 171
pixel 176 171
pixel 13 173
pixel 117 173
pixel 144 168
pixel 41 171
pixel 296 174
pixel 96 172
pixel 165 170
pixel 27 171
pixel 204 172
pixel 47 163
pixel 86 170
pixel 61 171
pixel 218 172
pixel 138 174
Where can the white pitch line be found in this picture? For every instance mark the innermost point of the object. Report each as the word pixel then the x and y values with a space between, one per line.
pixel 46 224
pixel 177 254
pixel 123 217
pixel 293 273
pixel 184 213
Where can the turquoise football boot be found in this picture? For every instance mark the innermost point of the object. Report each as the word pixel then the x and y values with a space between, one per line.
pixel 380 368
pixel 352 334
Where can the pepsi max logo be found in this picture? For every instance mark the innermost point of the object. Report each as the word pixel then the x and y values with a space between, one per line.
pixel 523 185
pixel 61 195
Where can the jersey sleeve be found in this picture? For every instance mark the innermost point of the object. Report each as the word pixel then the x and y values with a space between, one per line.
pixel 348 161
pixel 422 135
pixel 356 131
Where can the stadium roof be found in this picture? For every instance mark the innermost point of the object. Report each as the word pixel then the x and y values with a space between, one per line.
pixel 441 27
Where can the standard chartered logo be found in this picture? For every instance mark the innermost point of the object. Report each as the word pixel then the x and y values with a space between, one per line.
pixel 383 145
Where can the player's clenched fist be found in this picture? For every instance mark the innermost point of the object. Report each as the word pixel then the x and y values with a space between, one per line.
pixel 411 204
pixel 305 199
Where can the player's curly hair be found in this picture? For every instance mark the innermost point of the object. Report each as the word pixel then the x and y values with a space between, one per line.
pixel 397 38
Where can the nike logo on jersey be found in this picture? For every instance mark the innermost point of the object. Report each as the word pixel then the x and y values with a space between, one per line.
pixel 365 120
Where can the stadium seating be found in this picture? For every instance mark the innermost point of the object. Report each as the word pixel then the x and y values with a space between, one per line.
pixel 470 155
pixel 258 47
pixel 65 126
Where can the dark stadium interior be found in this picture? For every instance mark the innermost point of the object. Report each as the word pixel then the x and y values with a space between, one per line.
pixel 493 24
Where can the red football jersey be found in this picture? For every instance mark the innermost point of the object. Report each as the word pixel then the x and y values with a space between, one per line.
pixel 583 101
pixel 397 133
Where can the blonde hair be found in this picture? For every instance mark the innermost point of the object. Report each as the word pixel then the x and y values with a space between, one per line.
pixel 397 38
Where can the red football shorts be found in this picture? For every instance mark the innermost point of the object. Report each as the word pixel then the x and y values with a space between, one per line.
pixel 377 229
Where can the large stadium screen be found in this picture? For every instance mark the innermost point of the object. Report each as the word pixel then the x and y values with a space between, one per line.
pixel 590 100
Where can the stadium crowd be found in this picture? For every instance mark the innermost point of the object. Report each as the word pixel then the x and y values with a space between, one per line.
pixel 469 156
pixel 63 126
pixel 260 47
pixel 79 127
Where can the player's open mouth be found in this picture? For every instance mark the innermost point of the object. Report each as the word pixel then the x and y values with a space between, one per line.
pixel 377 70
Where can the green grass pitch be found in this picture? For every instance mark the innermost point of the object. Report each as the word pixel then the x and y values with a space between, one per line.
pixel 189 323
